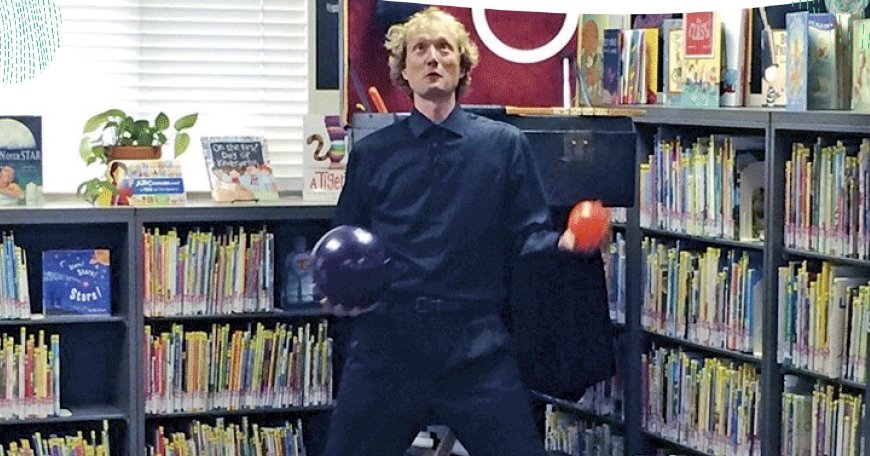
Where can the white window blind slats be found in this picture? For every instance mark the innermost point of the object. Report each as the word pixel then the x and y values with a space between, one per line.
pixel 242 64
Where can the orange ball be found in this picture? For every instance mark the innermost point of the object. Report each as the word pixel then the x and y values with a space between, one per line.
pixel 589 221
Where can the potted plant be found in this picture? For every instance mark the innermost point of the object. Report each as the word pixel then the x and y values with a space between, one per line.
pixel 114 135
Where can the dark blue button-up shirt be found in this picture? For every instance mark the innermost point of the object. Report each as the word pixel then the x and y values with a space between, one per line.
pixel 451 201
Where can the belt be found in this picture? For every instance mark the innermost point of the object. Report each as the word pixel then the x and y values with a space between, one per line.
pixel 432 305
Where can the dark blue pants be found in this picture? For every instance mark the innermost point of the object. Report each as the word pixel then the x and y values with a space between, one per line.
pixel 409 365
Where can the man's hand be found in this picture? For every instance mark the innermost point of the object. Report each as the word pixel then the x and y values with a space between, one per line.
pixel 340 311
pixel 568 243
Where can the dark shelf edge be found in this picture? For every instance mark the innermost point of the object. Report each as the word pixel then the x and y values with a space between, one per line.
pixel 676 445
pixel 307 311
pixel 78 415
pixel 820 376
pixel 744 357
pixel 759 246
pixel 825 257
pixel 62 320
pixel 571 407
pixel 256 411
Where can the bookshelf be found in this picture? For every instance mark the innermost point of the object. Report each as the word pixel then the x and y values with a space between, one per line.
pixel 284 222
pixel 101 357
pixel 97 354
pixel 780 130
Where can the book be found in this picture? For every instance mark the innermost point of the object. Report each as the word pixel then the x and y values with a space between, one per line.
pixel 861 66
pixel 76 282
pixel 20 160
pixel 773 79
pixel 590 49
pixel 673 41
pixel 147 182
pixel 736 31
pixel 324 158
pixel 612 64
pixel 703 56
pixel 812 79
pixel 238 168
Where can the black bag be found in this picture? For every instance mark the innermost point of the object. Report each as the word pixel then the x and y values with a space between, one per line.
pixel 560 322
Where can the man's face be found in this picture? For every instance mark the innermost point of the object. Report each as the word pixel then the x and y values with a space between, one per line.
pixel 432 65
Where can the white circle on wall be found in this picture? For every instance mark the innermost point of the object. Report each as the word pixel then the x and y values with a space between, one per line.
pixel 512 54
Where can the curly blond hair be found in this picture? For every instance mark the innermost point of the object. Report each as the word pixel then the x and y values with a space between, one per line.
pixel 428 19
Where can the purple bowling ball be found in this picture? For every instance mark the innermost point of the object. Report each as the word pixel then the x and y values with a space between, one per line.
pixel 350 266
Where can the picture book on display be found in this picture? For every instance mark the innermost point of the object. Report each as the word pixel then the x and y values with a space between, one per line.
pixel 20 160
pixel 238 168
pixel 324 158
pixel 76 282
pixel 147 183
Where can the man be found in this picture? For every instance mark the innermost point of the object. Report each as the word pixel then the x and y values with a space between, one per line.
pixel 452 194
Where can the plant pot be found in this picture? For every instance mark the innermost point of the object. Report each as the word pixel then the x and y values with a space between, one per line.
pixel 134 153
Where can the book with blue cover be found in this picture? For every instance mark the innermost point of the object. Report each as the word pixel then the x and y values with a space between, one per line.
pixel 20 160
pixel 76 282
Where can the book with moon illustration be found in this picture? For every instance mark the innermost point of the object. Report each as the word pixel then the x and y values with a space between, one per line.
pixel 20 160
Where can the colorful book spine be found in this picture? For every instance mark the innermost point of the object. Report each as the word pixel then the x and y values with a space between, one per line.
pixel 566 434
pixel 227 369
pixel 29 376
pixel 709 404
pixel 220 438
pixel 712 297
pixel 207 274
pixel 14 282
pixel 692 187
pixel 825 197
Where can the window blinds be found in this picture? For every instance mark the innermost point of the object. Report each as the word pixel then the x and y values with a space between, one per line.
pixel 241 64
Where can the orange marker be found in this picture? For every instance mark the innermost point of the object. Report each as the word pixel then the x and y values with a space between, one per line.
pixel 377 100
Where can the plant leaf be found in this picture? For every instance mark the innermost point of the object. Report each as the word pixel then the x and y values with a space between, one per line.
pixel 161 122
pixel 125 126
pixel 99 152
pixel 94 123
pixel 181 143
pixel 85 149
pixel 186 121
pixel 107 186
pixel 144 138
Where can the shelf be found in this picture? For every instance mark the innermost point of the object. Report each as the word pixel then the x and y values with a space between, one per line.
pixel 819 376
pixel 820 121
pixel 744 357
pixel 574 409
pixel 203 210
pixel 676 445
pixel 77 414
pixel 63 320
pixel 253 411
pixel 302 311
pixel 743 117
pixel 825 257
pixel 757 245
pixel 618 226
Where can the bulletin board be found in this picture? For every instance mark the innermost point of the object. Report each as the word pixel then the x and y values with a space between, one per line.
pixel 495 80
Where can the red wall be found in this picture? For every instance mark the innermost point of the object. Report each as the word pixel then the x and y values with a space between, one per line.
pixel 494 80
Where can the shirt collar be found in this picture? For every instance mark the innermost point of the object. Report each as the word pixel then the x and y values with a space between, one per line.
pixel 455 122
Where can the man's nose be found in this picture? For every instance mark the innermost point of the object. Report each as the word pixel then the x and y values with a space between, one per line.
pixel 431 55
